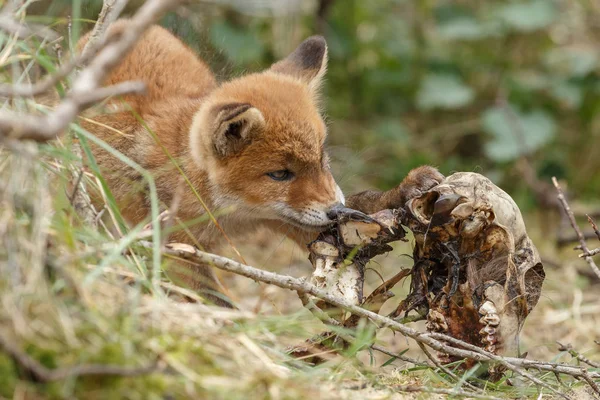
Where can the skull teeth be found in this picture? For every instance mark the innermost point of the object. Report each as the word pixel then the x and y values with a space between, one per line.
pixel 488 308
pixel 487 330
pixel 490 321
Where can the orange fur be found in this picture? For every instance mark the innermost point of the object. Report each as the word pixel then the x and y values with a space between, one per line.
pixel 227 139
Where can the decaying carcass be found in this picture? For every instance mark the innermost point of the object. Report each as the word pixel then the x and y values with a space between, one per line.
pixel 476 273
pixel 340 254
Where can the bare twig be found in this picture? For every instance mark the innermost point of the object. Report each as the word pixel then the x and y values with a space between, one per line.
pixel 590 253
pixel 43 86
pixel 110 12
pixel 400 357
pixel 446 370
pixel 436 341
pixel 43 374
pixel 568 348
pixel 118 89
pixel 22 31
pixel 512 365
pixel 111 9
pixel 567 209
pixel 323 316
pixel 47 127
pixel 594 226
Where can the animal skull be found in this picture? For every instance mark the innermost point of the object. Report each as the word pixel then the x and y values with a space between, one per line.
pixel 477 274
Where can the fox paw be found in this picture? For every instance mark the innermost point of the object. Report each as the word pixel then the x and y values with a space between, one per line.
pixel 418 181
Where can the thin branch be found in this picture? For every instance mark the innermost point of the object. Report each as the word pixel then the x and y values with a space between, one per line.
pixel 325 318
pixel 22 31
pixel 47 127
pixel 111 9
pixel 446 370
pixel 568 348
pixel 512 365
pixel 590 253
pixel 400 357
pixel 118 89
pixel 567 209
pixel 43 86
pixel 110 12
pixel 594 226
pixel 434 340
pixel 43 374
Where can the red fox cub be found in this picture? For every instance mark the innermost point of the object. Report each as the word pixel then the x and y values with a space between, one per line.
pixel 254 144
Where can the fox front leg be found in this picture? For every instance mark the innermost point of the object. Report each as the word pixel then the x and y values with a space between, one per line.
pixel 417 181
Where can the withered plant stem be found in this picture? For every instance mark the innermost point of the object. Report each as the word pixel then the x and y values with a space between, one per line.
pixel 565 205
pixel 436 341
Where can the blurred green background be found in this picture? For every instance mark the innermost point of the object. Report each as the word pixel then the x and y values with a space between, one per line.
pixel 510 89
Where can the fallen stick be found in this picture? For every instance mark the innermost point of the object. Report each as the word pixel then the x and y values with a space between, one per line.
pixel 436 341
pixel 42 128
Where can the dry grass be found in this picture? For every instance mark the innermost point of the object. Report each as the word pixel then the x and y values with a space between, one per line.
pixel 70 294
pixel 75 292
pixel 64 304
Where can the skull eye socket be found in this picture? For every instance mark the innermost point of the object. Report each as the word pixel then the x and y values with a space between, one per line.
pixel 281 175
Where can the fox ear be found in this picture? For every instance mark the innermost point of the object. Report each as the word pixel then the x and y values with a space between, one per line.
pixel 307 63
pixel 234 124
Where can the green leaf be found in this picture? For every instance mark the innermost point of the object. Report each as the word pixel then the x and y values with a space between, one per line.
pixel 527 16
pixel 514 133
pixel 567 93
pixel 392 359
pixel 238 45
pixel 443 91
pixel 573 62
pixel 461 28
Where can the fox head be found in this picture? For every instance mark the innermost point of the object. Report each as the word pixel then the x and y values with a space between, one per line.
pixel 260 138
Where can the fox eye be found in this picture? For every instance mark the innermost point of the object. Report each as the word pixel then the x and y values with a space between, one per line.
pixel 281 175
